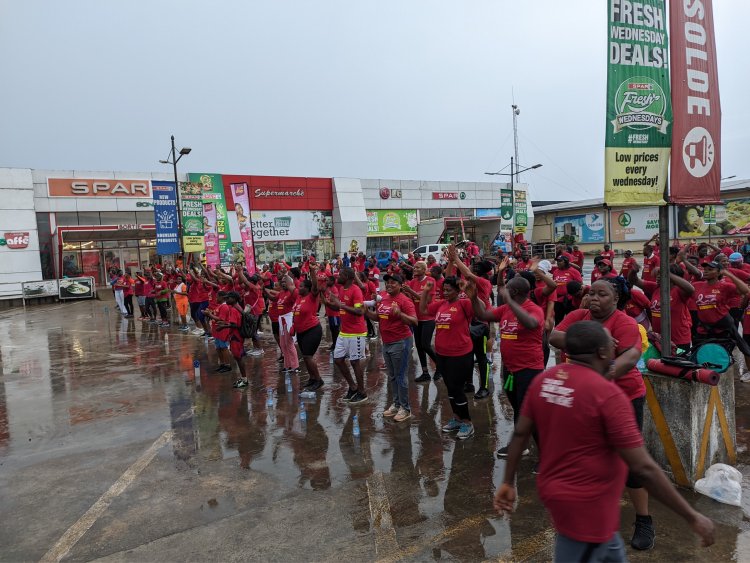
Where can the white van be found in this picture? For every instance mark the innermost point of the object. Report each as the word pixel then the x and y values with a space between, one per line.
pixel 434 250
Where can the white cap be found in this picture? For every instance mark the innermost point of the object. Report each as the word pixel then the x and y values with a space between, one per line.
pixel 545 266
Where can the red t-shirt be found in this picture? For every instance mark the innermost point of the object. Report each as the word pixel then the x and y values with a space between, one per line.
pixel 285 302
pixel 578 258
pixel 306 313
pixel 520 347
pixel 254 298
pixel 148 288
pixel 540 298
pixel 736 299
pixel 679 312
pixel 452 320
pixel 582 420
pixel 273 311
pixel 576 300
pixel 161 291
pixel 333 290
pixel 128 286
pixel 392 329
pixel 712 300
pixel 418 285
pixel 637 303
pixel 625 330
pixel 649 264
pixel 352 325
pixel 139 287
pixel 230 314
pixel 626 265
pixel 608 254
pixel 562 277
pixel 484 288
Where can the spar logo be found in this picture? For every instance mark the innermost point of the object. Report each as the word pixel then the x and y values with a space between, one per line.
pixel 15 241
pixel 641 105
pixel 624 219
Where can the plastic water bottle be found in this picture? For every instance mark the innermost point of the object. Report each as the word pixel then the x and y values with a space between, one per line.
pixel 355 426
pixel 641 365
pixel 288 385
pixel 302 412
pixel 269 402
pixel 197 369
pixel 308 395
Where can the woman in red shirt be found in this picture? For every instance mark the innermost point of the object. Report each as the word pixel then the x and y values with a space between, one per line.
pixel 453 349
pixel 285 299
pixel 307 327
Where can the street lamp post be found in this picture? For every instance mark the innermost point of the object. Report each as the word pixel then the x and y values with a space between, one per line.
pixel 174 160
pixel 512 174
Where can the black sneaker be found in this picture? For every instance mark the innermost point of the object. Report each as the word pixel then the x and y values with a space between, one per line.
pixel 349 395
pixel 503 452
pixel 437 376
pixel 424 378
pixel 644 534
pixel 483 393
pixel 316 384
pixel 224 369
pixel 358 398
pixel 309 383
pixel 468 387
pixel 240 384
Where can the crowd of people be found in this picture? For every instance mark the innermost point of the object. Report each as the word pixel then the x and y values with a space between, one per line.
pixel 449 309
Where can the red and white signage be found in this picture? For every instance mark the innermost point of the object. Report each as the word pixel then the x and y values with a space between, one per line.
pixel 696 134
pixel 386 193
pixel 444 195
pixel 82 187
pixel 273 193
pixel 16 241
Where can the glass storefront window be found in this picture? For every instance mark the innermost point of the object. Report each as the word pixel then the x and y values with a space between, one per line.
pixel 66 219
pixel 117 217
pixel 88 218
pixel 144 217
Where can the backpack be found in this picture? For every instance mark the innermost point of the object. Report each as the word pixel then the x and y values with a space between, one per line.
pixel 247 325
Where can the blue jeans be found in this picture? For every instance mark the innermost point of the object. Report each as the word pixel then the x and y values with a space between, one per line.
pixel 567 549
pixel 396 356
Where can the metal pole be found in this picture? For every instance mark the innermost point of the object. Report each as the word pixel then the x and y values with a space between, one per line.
pixel 179 203
pixel 664 288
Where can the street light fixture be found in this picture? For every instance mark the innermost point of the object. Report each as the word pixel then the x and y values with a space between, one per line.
pixel 512 173
pixel 173 154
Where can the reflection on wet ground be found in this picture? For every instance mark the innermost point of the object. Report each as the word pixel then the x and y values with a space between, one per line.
pixel 84 393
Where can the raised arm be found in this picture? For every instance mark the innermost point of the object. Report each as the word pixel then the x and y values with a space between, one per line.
pixel 738 283
pixel 549 284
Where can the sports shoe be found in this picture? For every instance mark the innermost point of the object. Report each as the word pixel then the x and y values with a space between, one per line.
pixel 184 328
pixel 643 535
pixel 259 333
pixel 393 410
pixel 437 376
pixel 483 393
pixel 198 332
pixel 240 384
pixel 402 415
pixel 745 377
pixel 224 369
pixel 316 384
pixel 425 377
pixel 468 387
pixel 452 425
pixel 256 352
pixel 503 452
pixel 349 395
pixel 358 398
pixel 465 431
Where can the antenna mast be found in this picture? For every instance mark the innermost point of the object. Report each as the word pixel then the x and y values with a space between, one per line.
pixel 516 112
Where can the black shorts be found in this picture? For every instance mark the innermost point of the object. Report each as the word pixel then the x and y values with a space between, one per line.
pixel 633 482
pixel 275 327
pixel 309 340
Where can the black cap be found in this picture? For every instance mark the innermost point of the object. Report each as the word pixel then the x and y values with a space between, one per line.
pixel 394 277
pixel 711 264
pixel 562 257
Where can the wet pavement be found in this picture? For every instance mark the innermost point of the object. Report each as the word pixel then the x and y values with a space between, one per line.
pixel 111 448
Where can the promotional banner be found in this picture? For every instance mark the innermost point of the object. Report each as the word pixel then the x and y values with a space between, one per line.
pixel 213 192
pixel 165 218
pixel 46 288
pixel 639 113
pixel 521 218
pixel 696 143
pixel 191 197
pixel 633 224
pixel 210 237
pixel 244 226
pixel 573 229
pixel 487 212
pixel 76 288
pixel 289 225
pixel 506 204
pixel 730 219
pixel 383 223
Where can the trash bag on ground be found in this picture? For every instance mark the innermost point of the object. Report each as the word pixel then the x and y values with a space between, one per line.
pixel 723 483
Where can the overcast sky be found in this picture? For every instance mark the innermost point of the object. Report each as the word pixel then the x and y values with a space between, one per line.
pixel 406 89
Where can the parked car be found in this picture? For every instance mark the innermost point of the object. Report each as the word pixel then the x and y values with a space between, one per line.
pixel 383 258
pixel 435 250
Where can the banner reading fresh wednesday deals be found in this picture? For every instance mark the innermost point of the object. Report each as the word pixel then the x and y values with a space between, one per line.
pixel 191 197
pixel 244 223
pixel 639 109
pixel 213 192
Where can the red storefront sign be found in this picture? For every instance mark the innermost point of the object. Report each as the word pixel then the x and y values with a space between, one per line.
pixel 444 195
pixel 696 134
pixel 82 187
pixel 272 193
pixel 16 241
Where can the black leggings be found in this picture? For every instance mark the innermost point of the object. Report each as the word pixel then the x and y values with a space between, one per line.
pixel 150 307
pixel 162 310
pixel 480 352
pixel 456 370
pixel 545 347
pixel 129 304
pixel 516 384
pixel 334 325
pixel 422 338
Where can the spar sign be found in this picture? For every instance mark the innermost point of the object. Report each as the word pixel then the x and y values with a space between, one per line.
pixel 639 110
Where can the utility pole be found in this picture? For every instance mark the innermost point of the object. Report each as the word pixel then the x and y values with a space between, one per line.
pixel 516 113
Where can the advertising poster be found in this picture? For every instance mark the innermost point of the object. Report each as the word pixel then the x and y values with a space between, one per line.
pixel 212 189
pixel 638 136
pixel 165 218
pixel 488 212
pixel 210 237
pixel 76 288
pixel 290 225
pixel 730 220
pixel 46 288
pixel 574 229
pixel 191 197
pixel 521 218
pixel 244 225
pixel 696 144
pixel 633 224
pixel 381 222
pixel 506 204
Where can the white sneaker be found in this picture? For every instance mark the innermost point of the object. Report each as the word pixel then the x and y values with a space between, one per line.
pixel 198 331
pixel 745 377
pixel 402 415
pixel 393 410
pixel 259 333
pixel 256 352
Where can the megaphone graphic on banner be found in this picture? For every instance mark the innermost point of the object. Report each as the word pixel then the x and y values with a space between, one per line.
pixel 696 152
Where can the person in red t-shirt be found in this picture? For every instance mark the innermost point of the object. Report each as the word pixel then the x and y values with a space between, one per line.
pixel 562 274
pixel 608 253
pixel 453 349
pixel 627 263
pixel 352 339
pixel 603 302
pixel 284 303
pixel 396 315
pixel 251 289
pixel 650 260
pixel 589 439
pixel 426 323
pixel 521 324
pixel 307 327
pixel 578 257
pixel 140 294
pixel 228 318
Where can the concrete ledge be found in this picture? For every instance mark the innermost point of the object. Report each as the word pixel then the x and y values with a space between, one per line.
pixel 689 426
